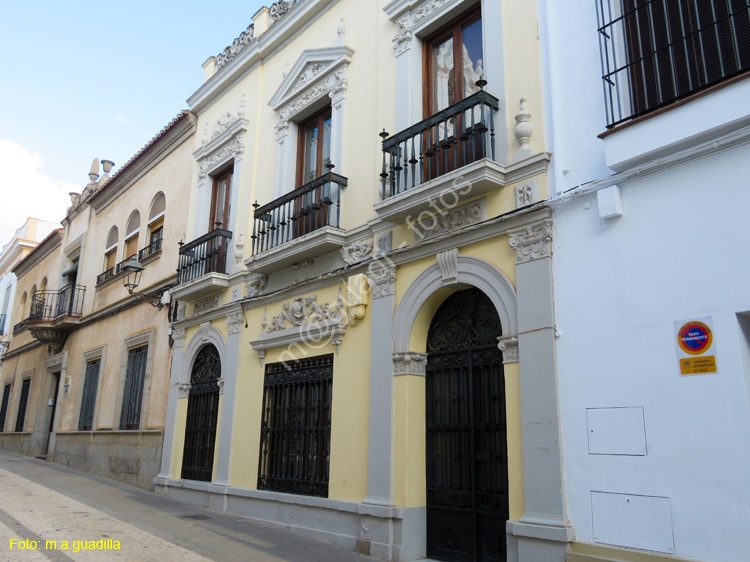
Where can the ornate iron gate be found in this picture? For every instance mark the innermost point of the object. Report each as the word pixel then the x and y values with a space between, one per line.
pixel 467 467
pixel 202 415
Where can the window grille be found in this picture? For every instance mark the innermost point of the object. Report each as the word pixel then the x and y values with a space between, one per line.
pixel 21 418
pixel 656 52
pixel 130 416
pixel 88 401
pixel 4 407
pixel 296 429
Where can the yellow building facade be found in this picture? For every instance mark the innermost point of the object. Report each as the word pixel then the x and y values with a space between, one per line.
pixel 88 367
pixel 364 346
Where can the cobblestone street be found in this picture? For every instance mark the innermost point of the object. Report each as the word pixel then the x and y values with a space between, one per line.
pixel 43 502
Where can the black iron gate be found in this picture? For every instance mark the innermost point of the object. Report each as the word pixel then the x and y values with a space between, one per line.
pixel 467 467
pixel 202 415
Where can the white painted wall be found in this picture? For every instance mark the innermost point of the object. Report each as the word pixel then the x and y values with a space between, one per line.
pixel 681 250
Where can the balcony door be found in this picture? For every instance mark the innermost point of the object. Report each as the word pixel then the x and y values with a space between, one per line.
pixel 453 64
pixel 220 205
pixel 314 152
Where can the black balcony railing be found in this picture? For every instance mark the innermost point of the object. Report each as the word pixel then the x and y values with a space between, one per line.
pixel 152 248
pixel 112 271
pixel 299 212
pixel 454 137
pixel 47 306
pixel 656 52
pixel 20 326
pixel 207 254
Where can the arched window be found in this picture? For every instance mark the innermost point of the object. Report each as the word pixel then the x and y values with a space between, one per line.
pixel 131 235
pixel 43 286
pixel 24 297
pixel 110 251
pixel 33 299
pixel 156 223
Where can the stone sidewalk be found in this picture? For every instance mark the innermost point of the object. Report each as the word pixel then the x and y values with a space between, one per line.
pixel 42 502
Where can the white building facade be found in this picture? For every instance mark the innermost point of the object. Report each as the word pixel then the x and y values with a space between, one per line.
pixel 649 192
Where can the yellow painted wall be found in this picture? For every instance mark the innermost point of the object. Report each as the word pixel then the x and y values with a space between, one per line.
pixel 179 437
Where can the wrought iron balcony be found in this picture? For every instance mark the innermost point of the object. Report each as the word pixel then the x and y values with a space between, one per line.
pixel 112 271
pixel 656 52
pixel 456 136
pixel 49 306
pixel 207 254
pixel 149 250
pixel 306 209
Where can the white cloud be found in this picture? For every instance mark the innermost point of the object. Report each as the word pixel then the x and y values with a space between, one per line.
pixel 120 118
pixel 26 192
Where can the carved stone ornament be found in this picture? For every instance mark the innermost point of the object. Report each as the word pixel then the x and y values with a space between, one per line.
pixel 222 124
pixel 430 8
pixel 183 389
pixel 308 75
pixel 334 86
pixel 306 310
pixel 403 41
pixel 205 305
pixel 527 193
pixel 383 244
pixel 440 222
pixel 245 38
pixel 509 346
pixel 254 285
pixel 235 322
pixel 382 279
pixel 409 364
pixel 280 8
pixel 178 337
pixel 233 149
pixel 338 92
pixel 220 384
pixel 448 264
pixel 281 128
pixel 205 330
pixel 532 242
pixel 357 252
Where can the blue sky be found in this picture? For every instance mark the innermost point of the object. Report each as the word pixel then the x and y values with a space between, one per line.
pixel 83 79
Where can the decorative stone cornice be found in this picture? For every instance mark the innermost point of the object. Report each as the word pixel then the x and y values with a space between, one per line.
pixel 409 364
pixel 254 285
pixel 509 346
pixel 441 222
pixel 532 242
pixel 232 149
pixel 382 279
pixel 357 252
pixel 183 389
pixel 178 337
pixel 244 39
pixel 234 322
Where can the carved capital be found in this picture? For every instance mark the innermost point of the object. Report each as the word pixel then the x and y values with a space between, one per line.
pixel 509 346
pixel 382 279
pixel 409 364
pixel 178 337
pixel 281 128
pixel 184 389
pixel 234 322
pixel 532 242
pixel 220 384
pixel 403 42
pixel 338 92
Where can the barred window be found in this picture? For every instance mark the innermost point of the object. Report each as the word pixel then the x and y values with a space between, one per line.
pixel 295 440
pixel 132 396
pixel 4 407
pixel 21 418
pixel 88 401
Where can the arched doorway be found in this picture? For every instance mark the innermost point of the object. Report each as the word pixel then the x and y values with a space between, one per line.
pixel 202 415
pixel 466 441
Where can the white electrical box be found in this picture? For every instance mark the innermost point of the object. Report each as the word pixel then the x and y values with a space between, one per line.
pixel 616 431
pixel 609 201
pixel 632 521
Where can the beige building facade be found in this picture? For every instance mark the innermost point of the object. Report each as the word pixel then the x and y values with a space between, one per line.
pixel 87 371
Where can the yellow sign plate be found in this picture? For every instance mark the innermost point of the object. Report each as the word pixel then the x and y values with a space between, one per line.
pixel 698 365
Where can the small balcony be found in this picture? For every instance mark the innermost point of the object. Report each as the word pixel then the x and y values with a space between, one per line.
pixel 55 313
pixel 202 265
pixel 302 224
pixel 451 151
pixel 112 272
pixel 152 249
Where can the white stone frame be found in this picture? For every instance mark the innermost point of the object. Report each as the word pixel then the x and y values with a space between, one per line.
pixel 17 401
pixel 318 74
pixel 221 150
pixel 417 19
pixel 88 356
pixel 145 338
pixel 469 271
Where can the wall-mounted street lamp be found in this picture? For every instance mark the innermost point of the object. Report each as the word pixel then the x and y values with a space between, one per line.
pixel 133 270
